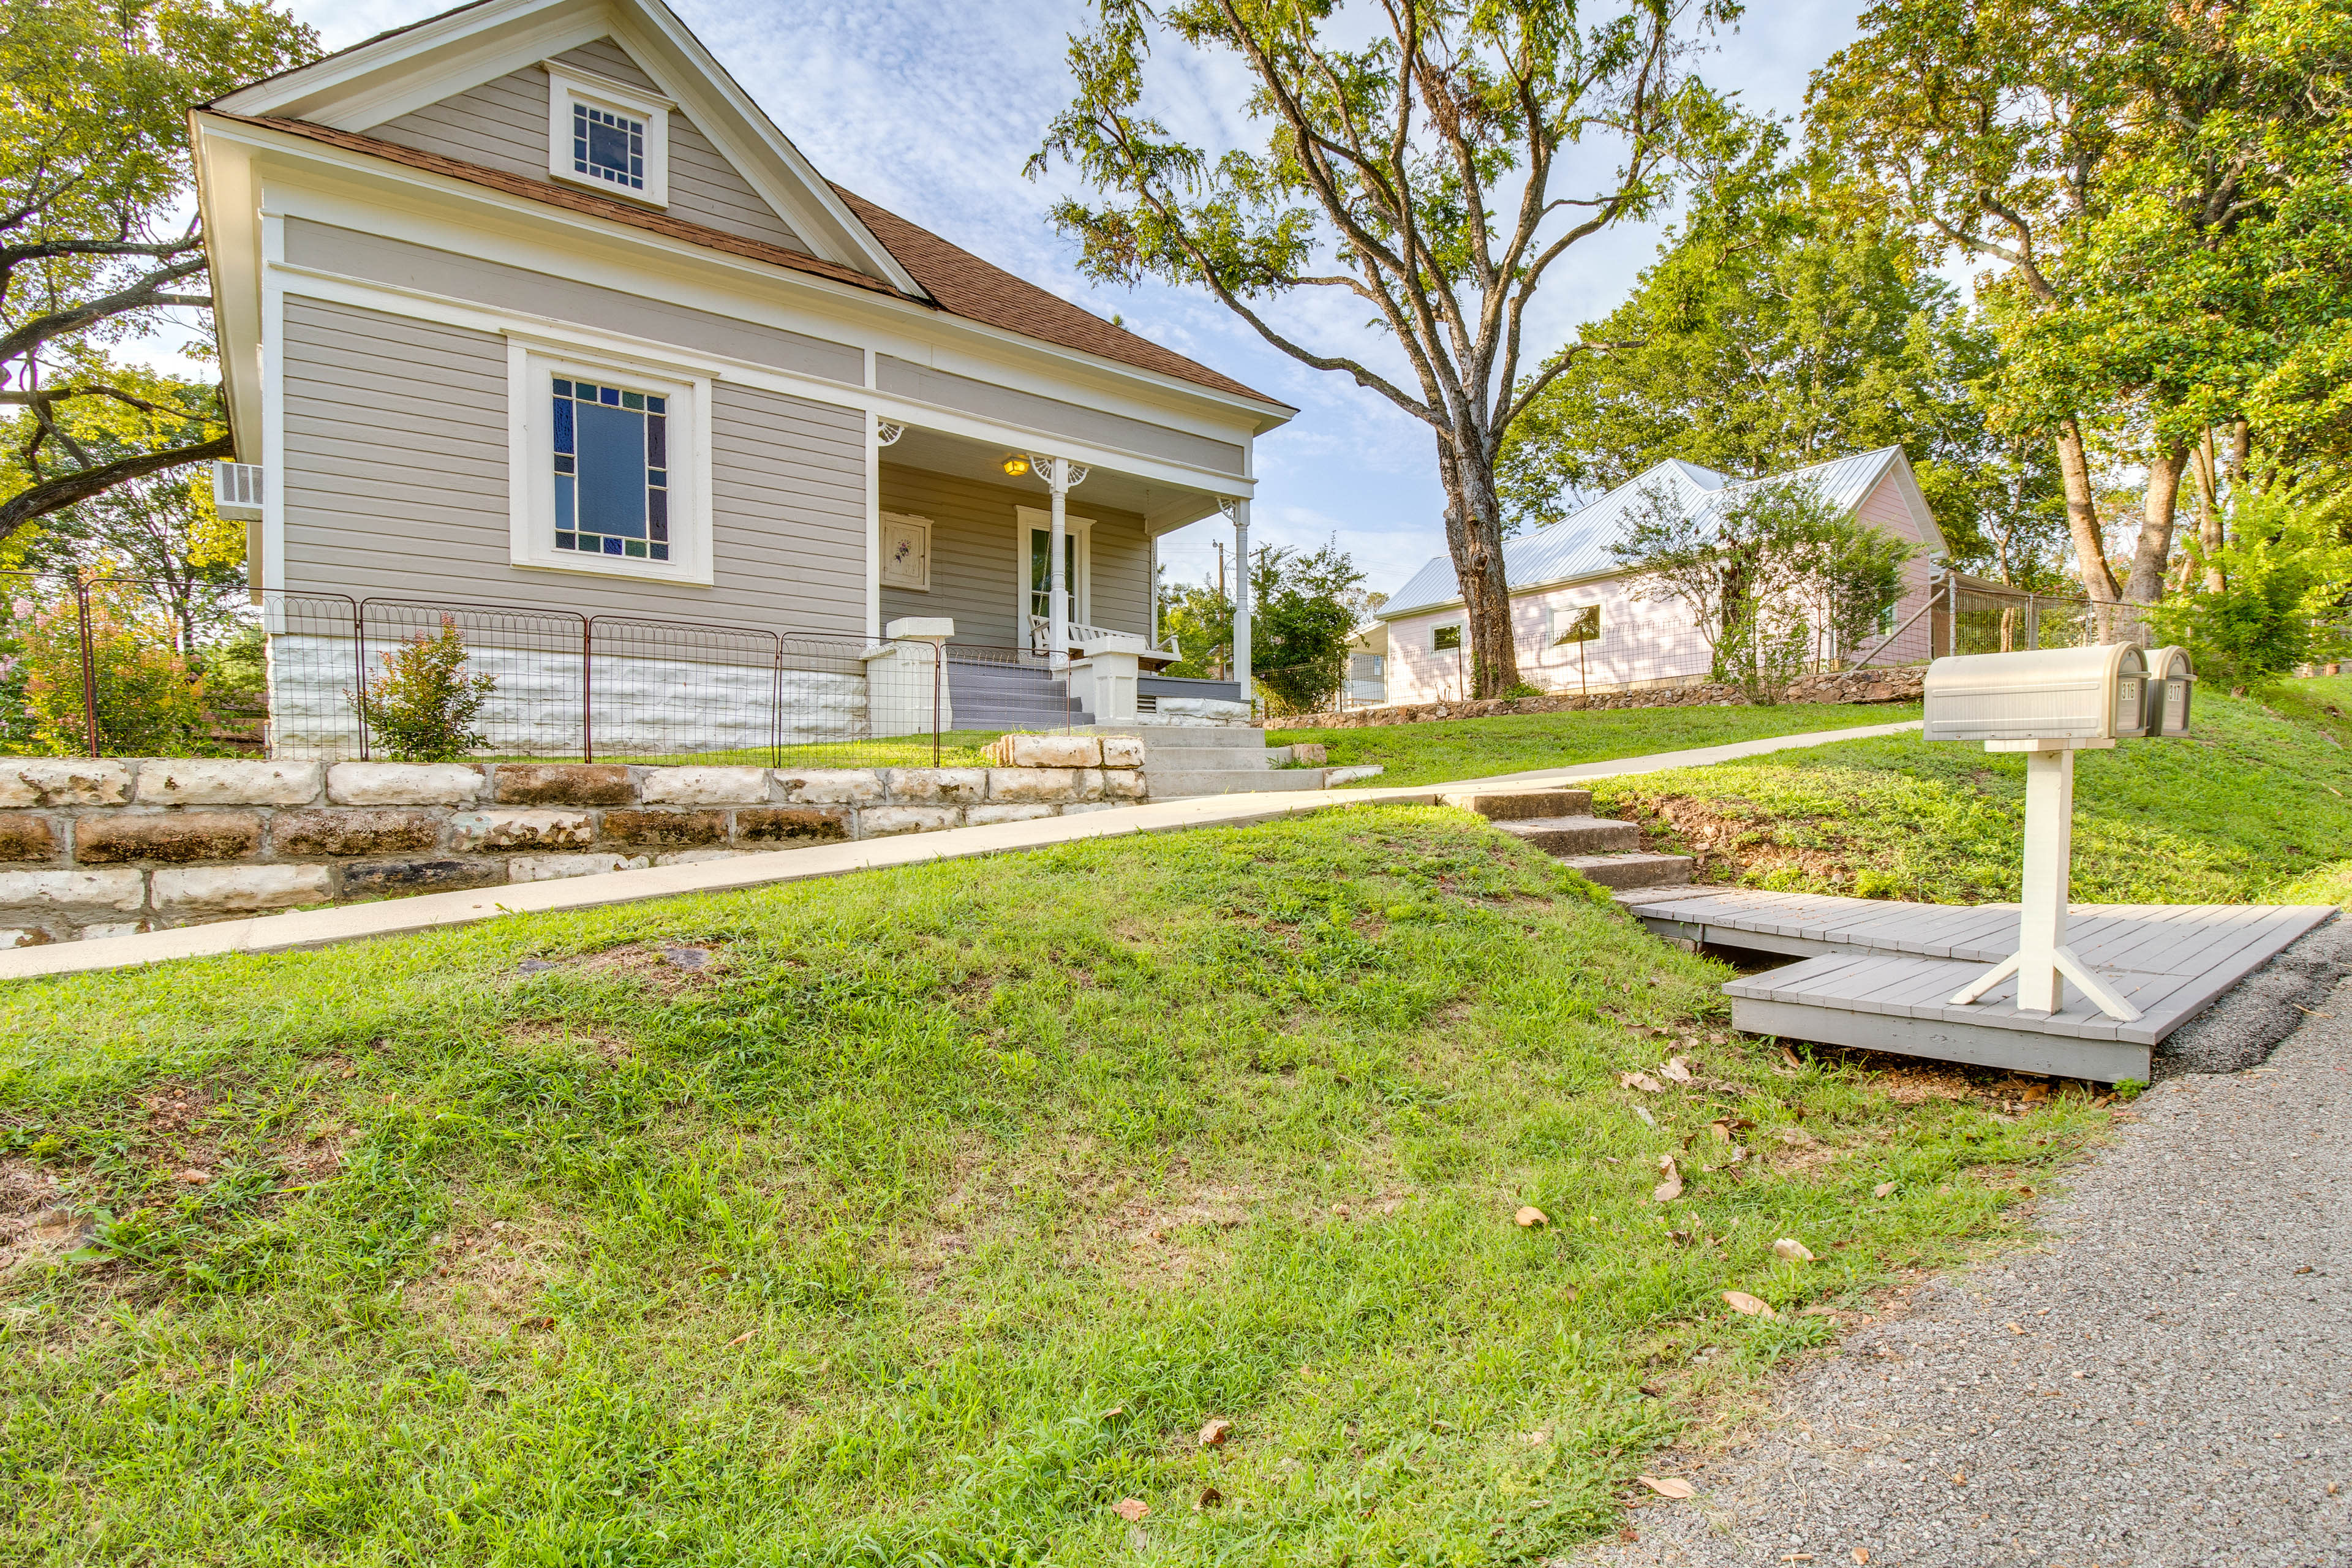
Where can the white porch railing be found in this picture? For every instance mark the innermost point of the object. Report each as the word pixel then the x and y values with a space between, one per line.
pixel 1041 637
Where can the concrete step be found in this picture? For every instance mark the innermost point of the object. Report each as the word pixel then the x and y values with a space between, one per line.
pixel 1635 870
pixel 1192 759
pixel 1521 805
pixel 1227 780
pixel 1558 836
pixel 1193 737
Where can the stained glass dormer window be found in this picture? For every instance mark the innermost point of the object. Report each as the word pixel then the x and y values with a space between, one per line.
pixel 612 470
pixel 608 146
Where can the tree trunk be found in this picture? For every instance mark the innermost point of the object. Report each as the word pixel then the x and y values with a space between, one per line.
pixel 1473 537
pixel 2145 585
pixel 2209 512
pixel 2082 513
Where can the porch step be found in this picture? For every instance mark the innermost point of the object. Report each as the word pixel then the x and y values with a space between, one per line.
pixel 1011 697
pixel 1563 835
pixel 1164 784
pixel 1638 870
pixel 1522 805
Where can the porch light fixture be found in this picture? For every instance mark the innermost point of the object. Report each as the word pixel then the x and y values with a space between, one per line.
pixel 1014 466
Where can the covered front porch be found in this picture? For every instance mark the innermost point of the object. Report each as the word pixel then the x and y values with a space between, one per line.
pixel 967 556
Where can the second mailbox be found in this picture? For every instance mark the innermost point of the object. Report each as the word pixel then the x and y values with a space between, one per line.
pixel 2097 693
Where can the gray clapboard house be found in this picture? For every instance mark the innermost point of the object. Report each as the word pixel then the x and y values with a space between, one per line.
pixel 528 305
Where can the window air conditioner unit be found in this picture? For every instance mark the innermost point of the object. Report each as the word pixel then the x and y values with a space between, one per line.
pixel 236 490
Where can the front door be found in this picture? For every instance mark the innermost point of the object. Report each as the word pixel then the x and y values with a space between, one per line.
pixel 1037 552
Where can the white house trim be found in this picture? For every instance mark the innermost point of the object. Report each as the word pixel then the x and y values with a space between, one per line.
pixel 566 88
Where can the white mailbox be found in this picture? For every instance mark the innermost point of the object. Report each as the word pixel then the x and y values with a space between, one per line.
pixel 2096 693
pixel 2050 703
pixel 2168 681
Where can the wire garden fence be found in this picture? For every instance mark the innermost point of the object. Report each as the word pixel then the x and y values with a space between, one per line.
pixel 97 669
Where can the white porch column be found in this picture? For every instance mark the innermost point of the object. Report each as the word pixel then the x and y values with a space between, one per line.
pixel 1238 510
pixel 1060 475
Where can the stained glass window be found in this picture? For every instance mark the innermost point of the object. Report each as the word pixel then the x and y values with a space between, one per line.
pixel 612 470
pixel 608 146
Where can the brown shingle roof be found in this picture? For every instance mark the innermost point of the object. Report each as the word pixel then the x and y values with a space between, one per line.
pixel 966 286
pixel 959 283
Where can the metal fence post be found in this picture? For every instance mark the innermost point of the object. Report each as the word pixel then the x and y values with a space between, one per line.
pixel 88 672
pixel 359 670
pixel 939 676
pixel 587 689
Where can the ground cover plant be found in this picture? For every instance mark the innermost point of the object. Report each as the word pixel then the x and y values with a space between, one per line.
pixel 939 1215
pixel 1448 750
pixel 2255 806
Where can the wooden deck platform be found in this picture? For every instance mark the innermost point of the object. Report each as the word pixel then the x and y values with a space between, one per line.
pixel 1880 976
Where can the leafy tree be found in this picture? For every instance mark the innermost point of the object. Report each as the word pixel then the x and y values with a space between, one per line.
pixel 2281 583
pixel 423 705
pixel 1419 165
pixel 1302 608
pixel 94 176
pixel 1776 576
pixel 2120 160
pixel 1786 324
pixel 162 531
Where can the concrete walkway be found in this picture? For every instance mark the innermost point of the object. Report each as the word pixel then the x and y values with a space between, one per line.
pixel 2166 1381
pixel 352 922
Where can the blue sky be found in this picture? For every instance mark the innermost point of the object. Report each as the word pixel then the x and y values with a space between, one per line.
pixel 930 107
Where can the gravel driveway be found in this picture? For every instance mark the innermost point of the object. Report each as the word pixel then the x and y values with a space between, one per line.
pixel 2168 1379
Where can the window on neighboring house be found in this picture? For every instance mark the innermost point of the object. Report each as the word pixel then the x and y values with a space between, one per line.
pixel 607 135
pixel 612 470
pixel 1580 623
pixel 1444 639
pixel 611 467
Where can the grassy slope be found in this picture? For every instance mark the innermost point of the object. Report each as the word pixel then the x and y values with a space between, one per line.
pixel 1475 748
pixel 937 1218
pixel 2255 806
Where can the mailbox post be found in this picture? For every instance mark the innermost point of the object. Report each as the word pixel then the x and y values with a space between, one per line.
pixel 2049 704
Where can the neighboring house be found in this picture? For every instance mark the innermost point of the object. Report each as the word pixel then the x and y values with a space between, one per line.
pixel 1583 622
pixel 1368 659
pixel 528 304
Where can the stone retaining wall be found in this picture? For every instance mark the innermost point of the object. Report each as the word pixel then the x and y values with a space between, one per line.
pixel 1904 685
pixel 96 849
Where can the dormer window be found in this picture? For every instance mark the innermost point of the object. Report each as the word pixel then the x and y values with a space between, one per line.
pixel 607 136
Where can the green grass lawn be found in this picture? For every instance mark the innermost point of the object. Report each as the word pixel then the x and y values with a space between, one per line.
pixel 933 1218
pixel 2255 806
pixel 1518 742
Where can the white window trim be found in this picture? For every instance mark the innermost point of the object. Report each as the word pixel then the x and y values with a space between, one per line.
pixel 908 521
pixel 531 471
pixel 1456 626
pixel 567 85
pixel 1082 607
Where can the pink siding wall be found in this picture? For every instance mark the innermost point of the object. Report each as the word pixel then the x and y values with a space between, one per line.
pixel 1642 641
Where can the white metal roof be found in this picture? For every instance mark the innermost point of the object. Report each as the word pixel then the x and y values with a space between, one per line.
pixel 1577 546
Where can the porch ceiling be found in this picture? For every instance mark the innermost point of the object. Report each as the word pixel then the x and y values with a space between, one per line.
pixel 1162 505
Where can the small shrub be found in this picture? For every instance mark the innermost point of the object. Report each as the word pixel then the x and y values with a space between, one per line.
pixel 423 705
pixel 150 703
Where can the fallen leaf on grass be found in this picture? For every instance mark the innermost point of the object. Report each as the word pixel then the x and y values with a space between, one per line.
pixel 1642 1081
pixel 1741 1301
pixel 1789 1247
pixel 1215 1432
pixel 1210 1497
pixel 1677 1068
pixel 1131 1509
pixel 1530 1216
pixel 1881 1190
pixel 1671 1188
pixel 740 1338
pixel 541 1324
pixel 1792 1058
pixel 1668 1486
pixel 1722 1131
pixel 194 1178
pixel 1644 1113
